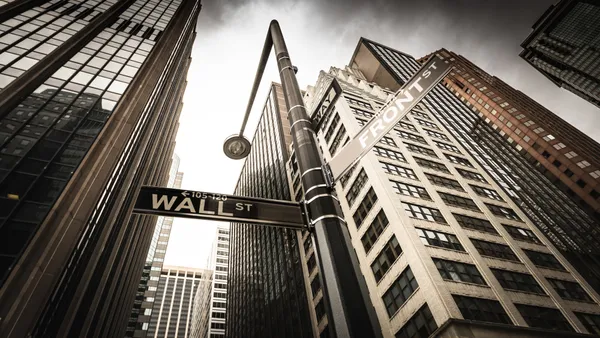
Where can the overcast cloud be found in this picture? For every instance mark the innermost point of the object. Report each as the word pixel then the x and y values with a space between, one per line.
pixel 321 34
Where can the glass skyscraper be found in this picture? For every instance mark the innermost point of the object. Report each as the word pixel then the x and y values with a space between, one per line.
pixel 565 46
pixel 89 102
pixel 266 295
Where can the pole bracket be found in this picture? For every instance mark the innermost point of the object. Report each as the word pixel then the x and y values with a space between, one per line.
pixel 328 176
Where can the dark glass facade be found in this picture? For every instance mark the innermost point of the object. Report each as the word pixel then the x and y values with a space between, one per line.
pixel 564 46
pixel 266 294
pixel 91 95
pixel 564 154
pixel 571 229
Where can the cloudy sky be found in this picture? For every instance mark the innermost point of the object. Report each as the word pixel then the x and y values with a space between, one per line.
pixel 321 34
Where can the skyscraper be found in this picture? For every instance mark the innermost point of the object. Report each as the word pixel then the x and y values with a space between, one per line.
pixel 212 302
pixel 564 46
pixel 201 308
pixel 142 307
pixel 91 95
pixel 443 248
pixel 564 154
pixel 171 314
pixel 266 295
pixel 571 229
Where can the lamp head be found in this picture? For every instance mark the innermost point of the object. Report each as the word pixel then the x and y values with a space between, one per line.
pixel 236 147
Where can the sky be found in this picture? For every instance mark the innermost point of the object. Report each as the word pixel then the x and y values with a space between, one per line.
pixel 321 34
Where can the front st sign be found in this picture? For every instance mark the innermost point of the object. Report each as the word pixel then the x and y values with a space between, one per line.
pixel 406 99
pixel 218 207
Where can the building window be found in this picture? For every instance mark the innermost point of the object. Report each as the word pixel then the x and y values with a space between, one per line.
pixel 332 126
pixel 409 136
pixel 337 140
pixel 570 154
pixel 356 187
pixel 394 155
pixel 311 264
pixel 595 174
pixel 447 147
pixel 344 179
pixel 424 213
pixel 458 272
pixel 544 260
pixel 559 146
pixel 496 250
pixel 420 114
pixel 431 165
pixel 543 317
pixel 459 160
pixel 436 134
pixel 484 192
pixel 362 113
pixel 583 164
pixel 219 305
pixel 410 190
pixel 569 290
pixel 427 124
pixel 521 234
pixel 421 150
pixel 590 321
pixel 405 125
pixel 457 201
pixel 389 141
pixel 388 255
pixel 420 325
pixel 365 206
pixel 503 212
pixel 399 171
pixel 359 103
pixel 484 310
pixel 444 182
pixel 218 315
pixel 374 231
pixel 511 280
pixel 320 310
pixel 439 239
pixel 315 285
pixel 404 286
pixel 475 223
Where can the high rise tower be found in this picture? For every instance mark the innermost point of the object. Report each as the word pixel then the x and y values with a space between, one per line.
pixel 571 229
pixel 146 292
pixel 443 248
pixel 266 295
pixel 91 95
pixel 211 302
pixel 565 155
pixel 564 46
pixel 172 310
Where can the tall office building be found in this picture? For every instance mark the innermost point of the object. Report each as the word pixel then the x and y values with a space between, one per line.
pixel 171 315
pixel 445 251
pixel 210 318
pixel 571 229
pixel 91 95
pixel 564 154
pixel 142 307
pixel 565 46
pixel 201 313
pixel 266 295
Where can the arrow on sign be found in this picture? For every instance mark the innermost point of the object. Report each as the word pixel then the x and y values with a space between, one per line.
pixel 406 99
pixel 185 193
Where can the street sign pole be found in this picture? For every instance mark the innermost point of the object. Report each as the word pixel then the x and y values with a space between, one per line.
pixel 406 99
pixel 350 311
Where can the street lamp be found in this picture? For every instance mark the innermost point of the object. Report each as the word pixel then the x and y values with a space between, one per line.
pixel 236 147
pixel 349 308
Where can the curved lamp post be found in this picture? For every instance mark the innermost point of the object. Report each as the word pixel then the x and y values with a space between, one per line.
pixel 349 308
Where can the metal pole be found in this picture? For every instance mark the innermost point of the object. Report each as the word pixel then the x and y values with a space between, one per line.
pixel 350 312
